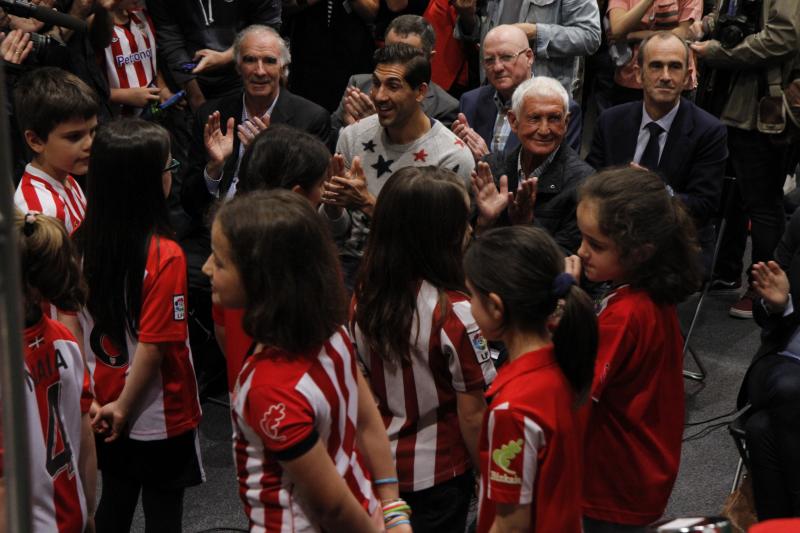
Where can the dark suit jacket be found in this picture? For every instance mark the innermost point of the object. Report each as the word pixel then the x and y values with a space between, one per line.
pixel 556 196
pixel 290 109
pixel 481 112
pixel 693 160
pixel 437 104
pixel 776 329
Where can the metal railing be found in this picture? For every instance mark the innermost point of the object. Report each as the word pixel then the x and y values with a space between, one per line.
pixel 12 379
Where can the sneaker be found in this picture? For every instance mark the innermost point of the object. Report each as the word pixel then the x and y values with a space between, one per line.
pixel 724 285
pixel 744 307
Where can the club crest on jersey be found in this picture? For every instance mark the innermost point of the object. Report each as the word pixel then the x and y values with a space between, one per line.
pixel 107 350
pixel 178 307
pixel 272 419
pixel 480 345
pixel 502 458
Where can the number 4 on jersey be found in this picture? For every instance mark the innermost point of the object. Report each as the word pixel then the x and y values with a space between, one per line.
pixel 59 452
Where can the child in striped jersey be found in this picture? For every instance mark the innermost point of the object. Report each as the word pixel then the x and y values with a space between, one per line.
pixel 58 115
pixel 135 334
pixel 426 359
pixel 62 464
pixel 130 60
pixel 307 435
pixel 531 446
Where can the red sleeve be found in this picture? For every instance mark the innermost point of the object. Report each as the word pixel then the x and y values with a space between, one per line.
pixel 471 367
pixel 163 316
pixel 690 10
pixel 282 418
pixel 514 444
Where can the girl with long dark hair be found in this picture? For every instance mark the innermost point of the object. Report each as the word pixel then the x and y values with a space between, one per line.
pixel 135 331
pixel 425 358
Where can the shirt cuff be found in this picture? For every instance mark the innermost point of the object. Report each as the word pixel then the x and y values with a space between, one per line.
pixel 212 184
pixel 788 310
pixel 544 34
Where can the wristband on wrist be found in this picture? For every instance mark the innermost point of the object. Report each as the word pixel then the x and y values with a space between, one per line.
pixel 385 481
pixel 395 513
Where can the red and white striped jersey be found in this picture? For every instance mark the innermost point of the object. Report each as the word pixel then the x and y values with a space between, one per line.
pixel 131 56
pixel 170 405
pixel 417 399
pixel 282 404
pixel 39 192
pixel 57 394
pixel 531 445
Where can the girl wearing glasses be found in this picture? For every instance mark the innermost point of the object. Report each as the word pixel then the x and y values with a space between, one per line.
pixel 135 332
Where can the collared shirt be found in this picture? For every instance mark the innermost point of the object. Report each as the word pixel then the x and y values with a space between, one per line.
pixel 502 129
pixel 644 134
pixel 213 184
pixel 538 171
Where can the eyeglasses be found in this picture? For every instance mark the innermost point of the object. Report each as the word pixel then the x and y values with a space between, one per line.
pixel 172 166
pixel 505 59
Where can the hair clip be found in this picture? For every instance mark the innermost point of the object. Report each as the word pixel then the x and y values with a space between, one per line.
pixel 562 284
pixel 30 220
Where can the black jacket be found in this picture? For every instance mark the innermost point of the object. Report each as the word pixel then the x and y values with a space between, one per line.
pixel 556 197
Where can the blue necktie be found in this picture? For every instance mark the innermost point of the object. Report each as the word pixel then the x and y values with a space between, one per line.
pixel 650 155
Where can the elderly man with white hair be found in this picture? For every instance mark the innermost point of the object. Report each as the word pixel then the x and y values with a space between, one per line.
pixel 537 182
pixel 225 127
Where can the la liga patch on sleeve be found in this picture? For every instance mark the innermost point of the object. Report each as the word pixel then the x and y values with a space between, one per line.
pixel 480 345
pixel 178 307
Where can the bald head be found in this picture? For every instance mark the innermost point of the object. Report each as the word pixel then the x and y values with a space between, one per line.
pixel 507 58
pixel 507 33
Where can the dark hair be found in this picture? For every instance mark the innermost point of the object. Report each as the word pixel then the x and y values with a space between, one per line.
pixel 652 230
pixel 282 157
pixel 287 261
pixel 417 233
pixel 406 25
pixel 126 209
pixel 49 264
pixel 417 65
pixel 48 96
pixel 520 264
pixel 663 36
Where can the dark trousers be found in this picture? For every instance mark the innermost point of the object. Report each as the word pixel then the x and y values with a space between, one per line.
pixel 443 507
pixel 163 507
pixel 772 433
pixel 760 169
pixel 590 525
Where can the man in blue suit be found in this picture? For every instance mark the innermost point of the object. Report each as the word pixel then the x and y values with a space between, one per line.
pixel 667 134
pixel 483 119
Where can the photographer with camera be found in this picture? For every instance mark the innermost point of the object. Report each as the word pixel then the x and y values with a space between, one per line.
pixel 752 54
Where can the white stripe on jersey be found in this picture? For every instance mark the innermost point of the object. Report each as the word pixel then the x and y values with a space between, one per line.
pixel 534 441
pixel 49 193
pixel 42 491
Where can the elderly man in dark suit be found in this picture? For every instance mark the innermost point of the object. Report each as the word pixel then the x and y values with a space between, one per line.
pixel 225 127
pixel 668 134
pixel 483 119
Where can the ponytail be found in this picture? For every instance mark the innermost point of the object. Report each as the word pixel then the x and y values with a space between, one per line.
pixel 575 341
pixel 49 264
pixel 530 280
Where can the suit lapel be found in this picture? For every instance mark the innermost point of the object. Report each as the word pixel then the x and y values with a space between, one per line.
pixel 678 134
pixel 282 112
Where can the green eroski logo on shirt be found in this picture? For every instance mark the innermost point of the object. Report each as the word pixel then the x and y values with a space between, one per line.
pixel 503 456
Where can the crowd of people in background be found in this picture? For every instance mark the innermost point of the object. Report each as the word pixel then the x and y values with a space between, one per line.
pixel 432 251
